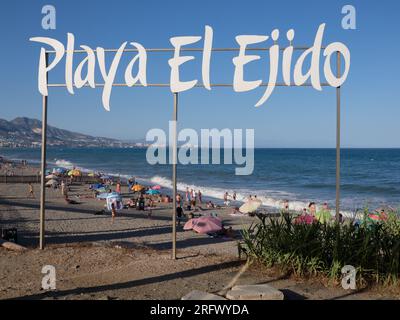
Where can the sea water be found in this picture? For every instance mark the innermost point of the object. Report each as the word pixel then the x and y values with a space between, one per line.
pixel 369 177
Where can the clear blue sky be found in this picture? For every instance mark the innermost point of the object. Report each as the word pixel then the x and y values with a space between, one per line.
pixel 292 117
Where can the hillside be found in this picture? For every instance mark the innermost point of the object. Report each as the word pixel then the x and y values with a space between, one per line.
pixel 26 132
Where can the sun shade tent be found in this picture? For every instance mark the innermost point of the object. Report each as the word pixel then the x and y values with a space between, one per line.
pixel 115 199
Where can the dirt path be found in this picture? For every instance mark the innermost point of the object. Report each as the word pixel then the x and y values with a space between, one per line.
pixel 112 272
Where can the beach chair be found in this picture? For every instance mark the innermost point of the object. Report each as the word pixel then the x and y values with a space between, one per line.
pixel 9 234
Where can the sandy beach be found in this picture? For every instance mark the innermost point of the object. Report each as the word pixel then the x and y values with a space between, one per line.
pixel 129 257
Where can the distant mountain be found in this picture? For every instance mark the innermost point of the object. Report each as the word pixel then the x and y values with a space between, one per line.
pixel 26 132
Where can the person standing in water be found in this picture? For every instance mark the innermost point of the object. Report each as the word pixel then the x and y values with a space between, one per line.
pixel 226 201
pixel 187 195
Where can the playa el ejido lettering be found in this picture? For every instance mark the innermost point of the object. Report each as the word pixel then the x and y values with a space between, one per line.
pixel 79 78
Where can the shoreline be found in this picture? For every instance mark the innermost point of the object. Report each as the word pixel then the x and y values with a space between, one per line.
pixel 270 204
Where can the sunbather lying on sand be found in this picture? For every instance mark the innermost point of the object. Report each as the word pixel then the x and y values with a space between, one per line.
pixel 211 205
pixel 224 232
pixel 69 201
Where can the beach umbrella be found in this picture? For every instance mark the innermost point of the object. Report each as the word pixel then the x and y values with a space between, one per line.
pixel 51 176
pixel 59 170
pixel 105 177
pixel 96 186
pixel 152 192
pixel 250 206
pixel 377 216
pixel 74 173
pixel 137 188
pixel 52 183
pixel 205 225
pixel 157 187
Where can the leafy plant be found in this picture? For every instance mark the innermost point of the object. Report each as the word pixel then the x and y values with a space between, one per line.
pixel 324 248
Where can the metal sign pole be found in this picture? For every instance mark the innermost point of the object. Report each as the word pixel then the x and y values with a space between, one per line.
pixel 174 163
pixel 43 169
pixel 338 140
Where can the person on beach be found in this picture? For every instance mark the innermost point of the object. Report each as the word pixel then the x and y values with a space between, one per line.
pixel 226 201
pixel 210 205
pixel 187 195
pixel 234 196
pixel 235 210
pixel 30 191
pixel 118 187
pixel 199 196
pixel 131 183
pixel 66 189
pixel 312 208
pixel 179 214
pixel 193 194
pixel 179 199
pixel 62 187
pixel 286 205
pixel 113 211
pixel 150 206
pixel 324 215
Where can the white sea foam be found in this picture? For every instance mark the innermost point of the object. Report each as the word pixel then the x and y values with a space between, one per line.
pixel 270 198
pixel 64 164
pixel 242 195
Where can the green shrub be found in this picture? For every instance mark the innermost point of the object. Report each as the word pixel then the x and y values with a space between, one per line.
pixel 324 248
